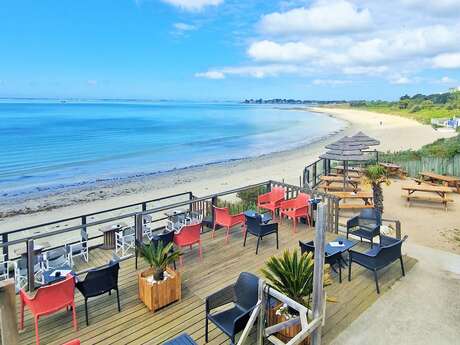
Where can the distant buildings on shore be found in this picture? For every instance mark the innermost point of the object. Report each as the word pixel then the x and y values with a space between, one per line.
pixel 289 101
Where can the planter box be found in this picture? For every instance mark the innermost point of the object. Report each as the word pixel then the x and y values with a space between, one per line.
pixel 288 333
pixel 158 295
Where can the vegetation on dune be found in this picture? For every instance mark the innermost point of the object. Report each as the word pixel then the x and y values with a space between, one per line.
pixel 420 107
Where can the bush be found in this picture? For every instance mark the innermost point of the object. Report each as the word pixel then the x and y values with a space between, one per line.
pixel 250 195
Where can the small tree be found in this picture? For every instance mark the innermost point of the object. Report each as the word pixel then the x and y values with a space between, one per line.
pixel 376 176
pixel 158 257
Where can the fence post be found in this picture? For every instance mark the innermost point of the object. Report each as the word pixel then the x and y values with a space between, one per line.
pixel 269 186
pixel 314 174
pixel 8 326
pixel 30 265
pixel 398 229
pixel 5 248
pixel 337 210
pixel 318 292
pixel 144 206
pixel 190 198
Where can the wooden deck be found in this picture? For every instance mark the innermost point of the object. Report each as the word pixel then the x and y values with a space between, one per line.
pixel 220 266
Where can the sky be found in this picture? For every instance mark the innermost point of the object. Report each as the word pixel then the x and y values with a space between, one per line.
pixel 228 49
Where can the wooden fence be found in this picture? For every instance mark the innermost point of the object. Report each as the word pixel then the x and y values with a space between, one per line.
pixel 443 166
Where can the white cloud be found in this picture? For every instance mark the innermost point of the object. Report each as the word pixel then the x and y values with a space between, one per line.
pixel 448 60
pixel 400 80
pixel 440 7
pixel 91 82
pixel 193 5
pixel 255 71
pixel 330 82
pixel 184 27
pixel 365 70
pixel 210 75
pixel 336 16
pixel 446 80
pixel 279 52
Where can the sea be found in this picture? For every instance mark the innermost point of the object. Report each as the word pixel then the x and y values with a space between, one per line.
pixel 47 145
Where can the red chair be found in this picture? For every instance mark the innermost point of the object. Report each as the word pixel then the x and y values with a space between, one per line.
pixel 73 342
pixel 189 235
pixel 272 200
pixel 296 208
pixel 48 300
pixel 223 218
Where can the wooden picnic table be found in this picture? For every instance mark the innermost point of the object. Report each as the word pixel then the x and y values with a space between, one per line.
pixel 339 169
pixel 394 170
pixel 445 180
pixel 366 197
pixel 440 193
pixel 336 183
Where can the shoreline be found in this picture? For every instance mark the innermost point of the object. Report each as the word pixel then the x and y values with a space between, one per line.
pixel 395 133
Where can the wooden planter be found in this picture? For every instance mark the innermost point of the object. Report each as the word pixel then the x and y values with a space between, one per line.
pixel 158 295
pixel 288 333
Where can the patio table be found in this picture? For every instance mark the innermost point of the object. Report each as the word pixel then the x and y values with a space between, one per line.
pixel 266 217
pixel 445 180
pixel 327 182
pixel 438 193
pixel 366 197
pixel 49 276
pixel 109 234
pixel 394 170
pixel 183 339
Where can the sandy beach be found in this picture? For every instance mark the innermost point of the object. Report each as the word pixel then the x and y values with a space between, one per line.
pixel 394 132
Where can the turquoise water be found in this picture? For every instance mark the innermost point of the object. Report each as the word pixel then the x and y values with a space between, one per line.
pixel 49 145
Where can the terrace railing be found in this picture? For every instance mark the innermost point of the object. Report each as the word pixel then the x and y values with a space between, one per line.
pixel 201 204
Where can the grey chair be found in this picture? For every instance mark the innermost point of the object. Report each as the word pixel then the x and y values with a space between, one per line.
pixel 243 295
pixel 366 225
pixel 256 227
pixel 56 258
pixel 382 255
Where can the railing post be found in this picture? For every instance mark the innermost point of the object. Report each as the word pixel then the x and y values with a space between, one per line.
pixel 8 326
pixel 318 292
pixel 261 318
pixel 5 248
pixel 190 198
pixel 83 222
pixel 398 229
pixel 314 174
pixel 213 215
pixel 30 265
pixel 139 226
pixel 144 206
pixel 337 210
pixel 269 186
pixel 325 167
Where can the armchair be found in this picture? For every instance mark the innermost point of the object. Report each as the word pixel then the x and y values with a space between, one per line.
pixel 188 236
pixel 272 200
pixel 56 259
pixel 244 296
pixel 48 300
pixel 296 209
pixel 365 225
pixel 80 249
pixel 99 281
pixel 378 257
pixel 255 227
pixel 223 218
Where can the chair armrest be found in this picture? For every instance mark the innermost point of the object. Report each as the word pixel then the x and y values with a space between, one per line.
pixel 264 198
pixel 240 322
pixel 374 229
pixel 220 298
pixel 287 204
pixel 238 218
pixel 361 257
pixel 25 298
pixel 351 223
pixel 268 228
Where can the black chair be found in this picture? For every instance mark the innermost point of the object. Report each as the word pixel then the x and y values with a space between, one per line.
pixel 378 257
pixel 365 225
pixel 255 226
pixel 333 260
pixel 244 296
pixel 166 237
pixel 99 281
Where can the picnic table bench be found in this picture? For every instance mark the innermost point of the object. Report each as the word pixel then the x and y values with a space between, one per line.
pixel 336 183
pixel 445 180
pixel 366 197
pixel 439 192
pixel 394 170
pixel 355 171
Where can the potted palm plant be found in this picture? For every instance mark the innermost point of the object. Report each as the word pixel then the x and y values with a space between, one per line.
pixel 376 176
pixel 159 285
pixel 292 275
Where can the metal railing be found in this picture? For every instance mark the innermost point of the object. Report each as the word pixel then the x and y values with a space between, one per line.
pixel 202 204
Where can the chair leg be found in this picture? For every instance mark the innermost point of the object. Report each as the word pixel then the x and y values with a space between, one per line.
pixel 245 237
pixel 277 243
pixel 136 252
pixel 340 273
pixel 86 311
pixel 376 281
pixel 402 266
pixel 118 300
pixel 349 268
pixel 206 329
pixel 21 316
pixel 74 316
pixel 213 230
pixel 257 248
pixel 228 235
pixel 37 337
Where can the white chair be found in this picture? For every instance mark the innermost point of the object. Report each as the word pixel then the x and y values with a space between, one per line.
pixel 20 272
pixel 125 241
pixel 6 267
pixel 55 259
pixel 78 250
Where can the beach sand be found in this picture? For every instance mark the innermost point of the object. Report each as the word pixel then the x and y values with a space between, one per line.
pixel 394 132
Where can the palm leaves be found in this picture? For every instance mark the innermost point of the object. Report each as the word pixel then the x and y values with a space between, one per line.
pixel 376 175
pixel 292 275
pixel 158 256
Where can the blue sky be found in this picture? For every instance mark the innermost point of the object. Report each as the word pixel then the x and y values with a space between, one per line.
pixel 228 50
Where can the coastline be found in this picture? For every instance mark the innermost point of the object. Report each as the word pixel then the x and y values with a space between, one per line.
pixel 394 132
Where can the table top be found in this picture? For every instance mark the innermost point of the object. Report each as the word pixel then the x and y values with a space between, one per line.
pixel 175 212
pixel 339 178
pixel 266 217
pixel 347 244
pixel 426 188
pixel 49 278
pixel 351 195
pixel 390 165
pixel 183 339
pixel 354 169
pixel 113 227
pixel 440 177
